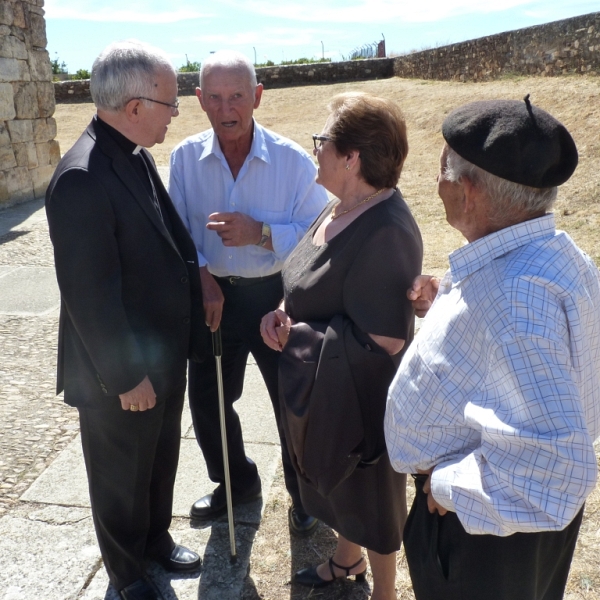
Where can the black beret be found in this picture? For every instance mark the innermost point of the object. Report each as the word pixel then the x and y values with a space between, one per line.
pixel 513 140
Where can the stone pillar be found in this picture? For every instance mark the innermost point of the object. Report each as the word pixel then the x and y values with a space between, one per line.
pixel 28 151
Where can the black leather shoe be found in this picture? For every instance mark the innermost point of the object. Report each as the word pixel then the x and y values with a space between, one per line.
pixel 142 589
pixel 300 523
pixel 214 505
pixel 181 560
pixel 310 578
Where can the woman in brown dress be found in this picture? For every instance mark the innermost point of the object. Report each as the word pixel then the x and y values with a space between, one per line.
pixel 345 302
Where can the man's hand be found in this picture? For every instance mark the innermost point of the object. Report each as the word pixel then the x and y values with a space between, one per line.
pixel 212 299
pixel 142 397
pixel 432 505
pixel 422 293
pixel 275 329
pixel 235 228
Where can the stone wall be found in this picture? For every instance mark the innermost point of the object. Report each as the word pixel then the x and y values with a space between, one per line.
pixel 28 150
pixel 558 48
pixel 271 77
pixel 74 91
pixel 334 72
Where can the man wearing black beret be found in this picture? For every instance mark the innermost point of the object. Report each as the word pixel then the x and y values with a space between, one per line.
pixel 496 404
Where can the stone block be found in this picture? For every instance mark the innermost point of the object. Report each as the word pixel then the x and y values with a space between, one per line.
pixel 7 103
pixel 19 48
pixel 6 13
pixel 4 135
pixel 19 184
pixel 19 15
pixel 4 197
pixel 18 33
pixel 39 63
pixel 5 46
pixel 40 178
pixel 43 153
pixel 21 130
pixel 37 30
pixel 54 152
pixel 26 100
pixel 26 155
pixel 44 129
pixel 13 69
pixel 45 98
pixel 4 29
pixel 7 157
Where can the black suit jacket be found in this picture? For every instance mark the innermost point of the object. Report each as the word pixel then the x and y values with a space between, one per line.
pixel 131 296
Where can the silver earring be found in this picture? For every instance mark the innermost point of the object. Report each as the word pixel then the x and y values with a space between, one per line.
pixel 347 167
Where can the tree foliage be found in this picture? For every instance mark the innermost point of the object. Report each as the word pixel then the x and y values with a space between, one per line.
pixel 58 66
pixel 81 74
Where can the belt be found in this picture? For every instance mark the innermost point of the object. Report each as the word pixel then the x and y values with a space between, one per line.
pixel 243 281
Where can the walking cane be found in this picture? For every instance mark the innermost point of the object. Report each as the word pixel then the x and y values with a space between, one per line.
pixel 218 352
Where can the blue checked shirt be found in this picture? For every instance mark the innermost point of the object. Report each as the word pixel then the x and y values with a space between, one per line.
pixel 276 185
pixel 501 387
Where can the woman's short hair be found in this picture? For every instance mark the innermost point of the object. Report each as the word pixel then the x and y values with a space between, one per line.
pixel 126 70
pixel 374 127
pixel 506 198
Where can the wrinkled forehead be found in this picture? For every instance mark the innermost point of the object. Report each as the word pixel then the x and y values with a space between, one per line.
pixel 222 77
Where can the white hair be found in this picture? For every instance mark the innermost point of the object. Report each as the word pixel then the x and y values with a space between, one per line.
pixel 126 70
pixel 506 197
pixel 229 59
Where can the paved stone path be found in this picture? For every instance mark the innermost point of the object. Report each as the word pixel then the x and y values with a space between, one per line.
pixel 34 424
pixel 48 548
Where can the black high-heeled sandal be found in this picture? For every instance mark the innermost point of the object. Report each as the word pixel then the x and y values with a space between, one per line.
pixel 310 578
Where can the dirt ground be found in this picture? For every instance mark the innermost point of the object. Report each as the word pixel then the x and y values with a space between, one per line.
pixel 299 112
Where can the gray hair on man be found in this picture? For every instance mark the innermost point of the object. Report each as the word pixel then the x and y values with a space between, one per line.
pixel 506 198
pixel 229 59
pixel 125 70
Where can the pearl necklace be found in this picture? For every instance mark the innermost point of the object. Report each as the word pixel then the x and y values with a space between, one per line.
pixel 335 215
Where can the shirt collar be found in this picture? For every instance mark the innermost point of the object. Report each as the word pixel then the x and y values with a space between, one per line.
pixel 126 144
pixel 258 149
pixel 481 252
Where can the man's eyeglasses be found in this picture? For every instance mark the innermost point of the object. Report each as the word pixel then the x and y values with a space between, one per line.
pixel 318 139
pixel 173 106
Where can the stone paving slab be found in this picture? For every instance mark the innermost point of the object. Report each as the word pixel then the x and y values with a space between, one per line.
pixel 28 291
pixel 254 408
pixel 21 215
pixel 64 483
pixel 219 579
pixel 47 553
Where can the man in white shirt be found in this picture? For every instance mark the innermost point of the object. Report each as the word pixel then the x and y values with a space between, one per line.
pixel 247 196
pixel 496 404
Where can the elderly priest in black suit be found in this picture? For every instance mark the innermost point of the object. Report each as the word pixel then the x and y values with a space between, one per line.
pixel 131 312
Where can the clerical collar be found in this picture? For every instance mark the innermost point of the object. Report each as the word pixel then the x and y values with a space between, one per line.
pixel 126 144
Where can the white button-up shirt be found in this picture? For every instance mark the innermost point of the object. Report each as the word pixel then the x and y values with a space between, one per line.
pixel 276 185
pixel 501 387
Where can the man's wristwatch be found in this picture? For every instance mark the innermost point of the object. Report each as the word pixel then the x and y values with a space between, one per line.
pixel 265 235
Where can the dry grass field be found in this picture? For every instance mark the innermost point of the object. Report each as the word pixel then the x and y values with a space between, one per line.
pixel 300 112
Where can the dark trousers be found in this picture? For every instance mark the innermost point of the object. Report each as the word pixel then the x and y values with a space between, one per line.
pixel 447 563
pixel 131 461
pixel 245 306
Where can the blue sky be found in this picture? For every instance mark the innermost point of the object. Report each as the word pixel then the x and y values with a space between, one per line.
pixel 286 29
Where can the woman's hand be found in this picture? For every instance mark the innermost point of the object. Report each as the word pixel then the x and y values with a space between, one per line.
pixel 275 329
